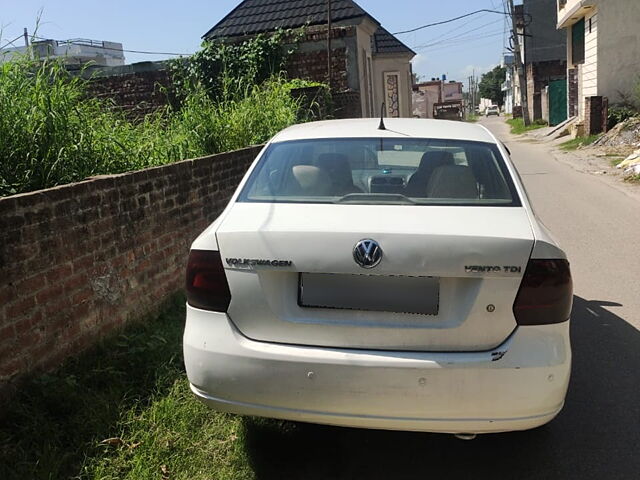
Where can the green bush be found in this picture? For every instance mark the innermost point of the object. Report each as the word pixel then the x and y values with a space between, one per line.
pixel 52 133
pixel 620 113
pixel 225 69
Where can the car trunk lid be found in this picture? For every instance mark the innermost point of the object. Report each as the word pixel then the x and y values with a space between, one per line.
pixel 446 282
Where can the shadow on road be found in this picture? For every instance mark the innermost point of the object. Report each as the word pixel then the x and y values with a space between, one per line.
pixel 596 436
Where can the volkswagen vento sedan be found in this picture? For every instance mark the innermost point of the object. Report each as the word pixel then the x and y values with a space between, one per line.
pixel 384 278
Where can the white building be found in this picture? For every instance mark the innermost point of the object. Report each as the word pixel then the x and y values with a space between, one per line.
pixel 509 85
pixel 602 54
pixel 74 52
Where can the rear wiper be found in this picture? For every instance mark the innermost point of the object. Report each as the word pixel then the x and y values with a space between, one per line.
pixel 375 198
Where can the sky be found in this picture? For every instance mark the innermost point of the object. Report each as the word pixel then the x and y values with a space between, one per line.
pixel 457 49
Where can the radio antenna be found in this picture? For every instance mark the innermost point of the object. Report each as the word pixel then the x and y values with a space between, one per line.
pixel 382 126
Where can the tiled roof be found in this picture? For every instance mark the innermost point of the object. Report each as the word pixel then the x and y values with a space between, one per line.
pixel 384 42
pixel 256 16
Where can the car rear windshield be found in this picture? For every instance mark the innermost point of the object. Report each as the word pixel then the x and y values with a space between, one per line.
pixel 382 171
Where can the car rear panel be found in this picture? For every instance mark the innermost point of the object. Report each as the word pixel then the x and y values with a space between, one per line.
pixel 519 385
pixel 474 258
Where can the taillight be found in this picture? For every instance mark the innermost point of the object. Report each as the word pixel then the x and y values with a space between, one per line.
pixel 546 293
pixel 207 286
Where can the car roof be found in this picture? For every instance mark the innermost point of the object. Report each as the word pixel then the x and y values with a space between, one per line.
pixel 395 128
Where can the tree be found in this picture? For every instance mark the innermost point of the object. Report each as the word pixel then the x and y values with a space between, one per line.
pixel 491 85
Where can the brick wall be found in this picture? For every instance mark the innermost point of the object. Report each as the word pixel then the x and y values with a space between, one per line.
pixel 309 60
pixel 136 90
pixel 347 105
pixel 572 78
pixel 142 88
pixel 78 261
pixel 594 118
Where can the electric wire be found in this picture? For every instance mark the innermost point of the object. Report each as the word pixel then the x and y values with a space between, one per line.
pixel 455 29
pixel 444 40
pixel 144 52
pixel 453 43
pixel 11 42
pixel 449 21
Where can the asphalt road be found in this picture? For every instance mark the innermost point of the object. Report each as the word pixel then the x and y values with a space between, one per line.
pixel 597 224
pixel 596 436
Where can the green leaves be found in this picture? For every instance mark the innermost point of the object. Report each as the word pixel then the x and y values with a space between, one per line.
pixel 226 70
pixel 491 85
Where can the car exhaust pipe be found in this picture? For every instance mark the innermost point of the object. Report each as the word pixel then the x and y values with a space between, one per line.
pixel 465 436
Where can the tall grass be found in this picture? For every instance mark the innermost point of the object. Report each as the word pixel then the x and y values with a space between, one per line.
pixel 52 132
pixel 205 126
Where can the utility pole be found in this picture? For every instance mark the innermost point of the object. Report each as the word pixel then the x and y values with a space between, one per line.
pixel 26 43
pixel 469 100
pixel 519 66
pixel 473 91
pixel 329 26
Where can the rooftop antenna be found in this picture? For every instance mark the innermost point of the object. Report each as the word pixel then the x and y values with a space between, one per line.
pixel 382 126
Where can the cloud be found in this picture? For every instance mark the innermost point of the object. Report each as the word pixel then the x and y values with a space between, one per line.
pixel 419 64
pixel 469 70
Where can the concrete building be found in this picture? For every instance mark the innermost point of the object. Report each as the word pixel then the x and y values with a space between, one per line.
pixel 370 65
pixel 508 85
pixel 429 97
pixel 545 61
pixel 75 52
pixel 511 85
pixel 603 63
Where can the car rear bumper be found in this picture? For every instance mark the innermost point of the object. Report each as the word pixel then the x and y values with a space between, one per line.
pixel 519 385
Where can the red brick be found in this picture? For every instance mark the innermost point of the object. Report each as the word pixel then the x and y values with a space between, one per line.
pixel 62 304
pixel 11 367
pixel 59 273
pixel 20 308
pixel 82 295
pixel 75 282
pixel 50 294
pixel 22 253
pixel 30 285
pixel 6 294
pixel 24 342
pixel 83 263
pixel 26 325
pixel 7 333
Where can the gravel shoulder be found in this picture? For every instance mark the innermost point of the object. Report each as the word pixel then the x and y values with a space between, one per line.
pixel 593 160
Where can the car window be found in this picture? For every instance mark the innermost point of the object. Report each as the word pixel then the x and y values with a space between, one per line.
pixel 382 171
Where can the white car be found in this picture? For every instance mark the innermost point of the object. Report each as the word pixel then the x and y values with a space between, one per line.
pixel 492 110
pixel 383 278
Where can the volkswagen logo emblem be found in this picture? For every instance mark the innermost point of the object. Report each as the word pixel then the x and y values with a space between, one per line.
pixel 367 253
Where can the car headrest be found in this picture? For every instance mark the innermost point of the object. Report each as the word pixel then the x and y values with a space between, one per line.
pixel 453 181
pixel 435 158
pixel 311 180
pixel 338 168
